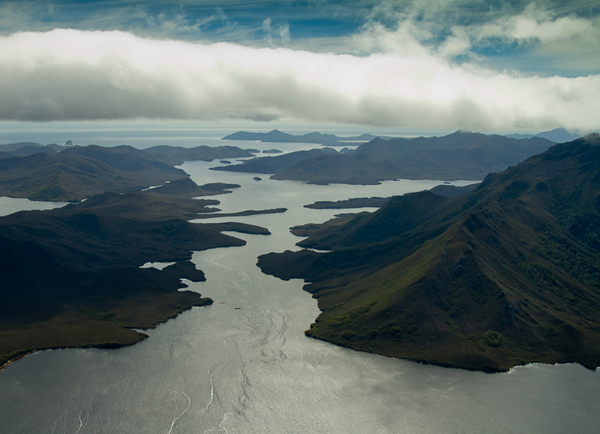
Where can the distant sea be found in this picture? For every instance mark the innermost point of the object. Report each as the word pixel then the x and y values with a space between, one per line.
pixel 144 134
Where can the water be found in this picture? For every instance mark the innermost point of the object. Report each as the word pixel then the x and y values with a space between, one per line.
pixel 243 365
pixel 9 205
pixel 144 133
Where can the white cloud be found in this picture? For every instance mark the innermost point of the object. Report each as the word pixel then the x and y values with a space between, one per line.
pixel 282 32
pixel 535 28
pixel 537 24
pixel 77 75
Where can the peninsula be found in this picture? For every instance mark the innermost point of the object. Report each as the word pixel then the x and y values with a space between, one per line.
pixel 501 276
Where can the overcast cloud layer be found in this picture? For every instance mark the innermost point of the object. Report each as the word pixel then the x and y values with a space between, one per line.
pixel 382 75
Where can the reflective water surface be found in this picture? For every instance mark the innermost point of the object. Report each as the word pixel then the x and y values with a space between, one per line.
pixel 9 205
pixel 243 365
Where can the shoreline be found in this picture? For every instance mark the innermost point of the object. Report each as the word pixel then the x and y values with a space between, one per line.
pixel 204 301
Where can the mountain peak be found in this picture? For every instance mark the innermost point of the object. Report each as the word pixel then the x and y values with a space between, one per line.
pixel 592 138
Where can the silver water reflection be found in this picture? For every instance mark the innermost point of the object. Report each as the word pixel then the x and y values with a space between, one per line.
pixel 244 365
pixel 9 205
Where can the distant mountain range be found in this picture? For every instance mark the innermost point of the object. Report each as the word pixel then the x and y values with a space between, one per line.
pixel 505 275
pixel 461 155
pixel 557 135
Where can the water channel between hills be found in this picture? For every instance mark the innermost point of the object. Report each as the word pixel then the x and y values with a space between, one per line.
pixel 243 365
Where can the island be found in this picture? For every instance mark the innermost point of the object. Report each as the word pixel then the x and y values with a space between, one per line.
pixel 277 136
pixel 176 155
pixel 243 213
pixel 357 202
pixel 505 275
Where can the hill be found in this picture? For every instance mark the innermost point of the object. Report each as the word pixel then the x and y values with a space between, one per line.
pixel 461 155
pixel 30 150
pixel 12 147
pixel 176 155
pixel 23 149
pixel 274 164
pixel 505 275
pixel 79 172
pixel 187 187
pixel 452 190
pixel 72 173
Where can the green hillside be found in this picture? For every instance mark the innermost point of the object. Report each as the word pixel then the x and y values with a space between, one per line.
pixel 505 275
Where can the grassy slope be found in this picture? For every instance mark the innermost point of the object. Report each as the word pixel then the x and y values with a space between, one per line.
pixel 507 275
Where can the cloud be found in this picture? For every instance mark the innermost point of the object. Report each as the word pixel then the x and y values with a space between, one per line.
pixel 79 75
pixel 534 25
pixel 282 31
pixel 537 24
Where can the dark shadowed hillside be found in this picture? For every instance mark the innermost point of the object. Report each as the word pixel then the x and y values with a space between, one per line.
pixel 71 277
pixel 505 275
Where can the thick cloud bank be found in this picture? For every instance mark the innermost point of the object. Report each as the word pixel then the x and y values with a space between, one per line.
pixel 79 75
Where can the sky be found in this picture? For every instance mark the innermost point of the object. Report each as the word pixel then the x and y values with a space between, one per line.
pixel 489 66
